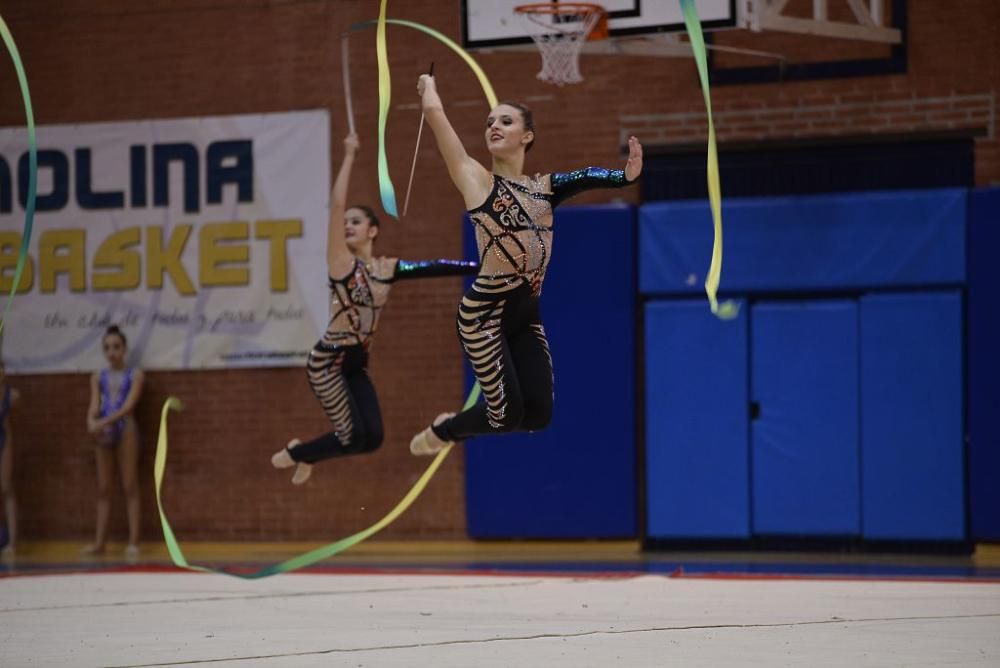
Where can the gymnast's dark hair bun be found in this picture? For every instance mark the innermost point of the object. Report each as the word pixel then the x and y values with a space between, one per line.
pixel 114 330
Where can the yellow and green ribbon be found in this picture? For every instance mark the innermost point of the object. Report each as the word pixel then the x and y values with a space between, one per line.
pixel 302 560
pixel 386 189
pixel 729 309
pixel 484 81
pixel 389 204
pixel 29 209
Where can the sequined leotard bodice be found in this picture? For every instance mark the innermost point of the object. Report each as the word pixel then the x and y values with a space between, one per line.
pixel 357 299
pixel 514 225
pixel 514 233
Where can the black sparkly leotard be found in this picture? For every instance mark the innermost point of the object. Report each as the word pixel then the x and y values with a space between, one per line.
pixel 499 322
pixel 338 363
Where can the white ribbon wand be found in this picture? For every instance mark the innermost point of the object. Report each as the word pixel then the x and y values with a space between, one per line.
pixel 416 149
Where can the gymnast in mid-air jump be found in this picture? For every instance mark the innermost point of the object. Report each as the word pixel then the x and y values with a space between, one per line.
pixel 499 323
pixel 337 366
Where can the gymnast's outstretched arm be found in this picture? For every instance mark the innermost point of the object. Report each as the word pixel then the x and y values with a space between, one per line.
pixel 567 184
pixel 406 269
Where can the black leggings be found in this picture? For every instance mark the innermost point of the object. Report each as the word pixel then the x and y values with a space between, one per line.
pixel 339 378
pixel 504 341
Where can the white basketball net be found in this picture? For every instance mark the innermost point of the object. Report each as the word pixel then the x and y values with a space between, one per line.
pixel 560 38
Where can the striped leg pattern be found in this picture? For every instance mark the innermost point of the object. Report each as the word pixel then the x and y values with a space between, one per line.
pixel 479 329
pixel 326 378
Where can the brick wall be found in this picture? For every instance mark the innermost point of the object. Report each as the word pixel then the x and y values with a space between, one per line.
pixel 101 60
pixel 856 113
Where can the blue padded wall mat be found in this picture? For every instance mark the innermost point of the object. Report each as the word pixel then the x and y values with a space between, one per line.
pixel 576 479
pixel 983 376
pixel 804 443
pixel 697 453
pixel 913 451
pixel 816 242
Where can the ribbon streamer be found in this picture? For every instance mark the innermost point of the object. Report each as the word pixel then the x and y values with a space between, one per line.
pixel 303 560
pixel 491 96
pixel 386 189
pixel 729 309
pixel 29 209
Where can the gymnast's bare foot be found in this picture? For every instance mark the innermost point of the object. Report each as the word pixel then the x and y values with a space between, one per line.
pixel 302 473
pixel 427 442
pixel 94 550
pixel 282 459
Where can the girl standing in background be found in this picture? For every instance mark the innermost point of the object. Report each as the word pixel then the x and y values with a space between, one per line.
pixel 114 393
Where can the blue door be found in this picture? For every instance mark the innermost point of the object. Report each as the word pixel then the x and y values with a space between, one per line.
pixel 697 454
pixel 911 415
pixel 804 432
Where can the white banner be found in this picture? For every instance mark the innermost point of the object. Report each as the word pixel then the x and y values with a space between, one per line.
pixel 202 238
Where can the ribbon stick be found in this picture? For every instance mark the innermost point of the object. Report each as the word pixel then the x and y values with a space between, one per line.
pixel 416 150
pixel 29 209
pixel 303 560
pixel 346 78
pixel 729 309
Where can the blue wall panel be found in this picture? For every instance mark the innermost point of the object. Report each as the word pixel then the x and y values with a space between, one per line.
pixel 817 242
pixel 911 416
pixel 578 477
pixel 984 363
pixel 697 455
pixel 805 441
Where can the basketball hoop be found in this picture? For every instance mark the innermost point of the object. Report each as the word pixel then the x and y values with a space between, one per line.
pixel 560 29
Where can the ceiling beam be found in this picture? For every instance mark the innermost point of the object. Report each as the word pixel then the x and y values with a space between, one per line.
pixel 819 10
pixel 760 15
pixel 832 29
pixel 861 12
pixel 876 11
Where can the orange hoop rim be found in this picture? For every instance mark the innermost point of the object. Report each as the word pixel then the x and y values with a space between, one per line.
pixel 599 31
pixel 559 8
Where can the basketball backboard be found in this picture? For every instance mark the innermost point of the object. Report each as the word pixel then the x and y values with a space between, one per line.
pixel 492 23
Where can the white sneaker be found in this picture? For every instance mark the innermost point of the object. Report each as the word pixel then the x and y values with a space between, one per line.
pixel 427 442
pixel 132 554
